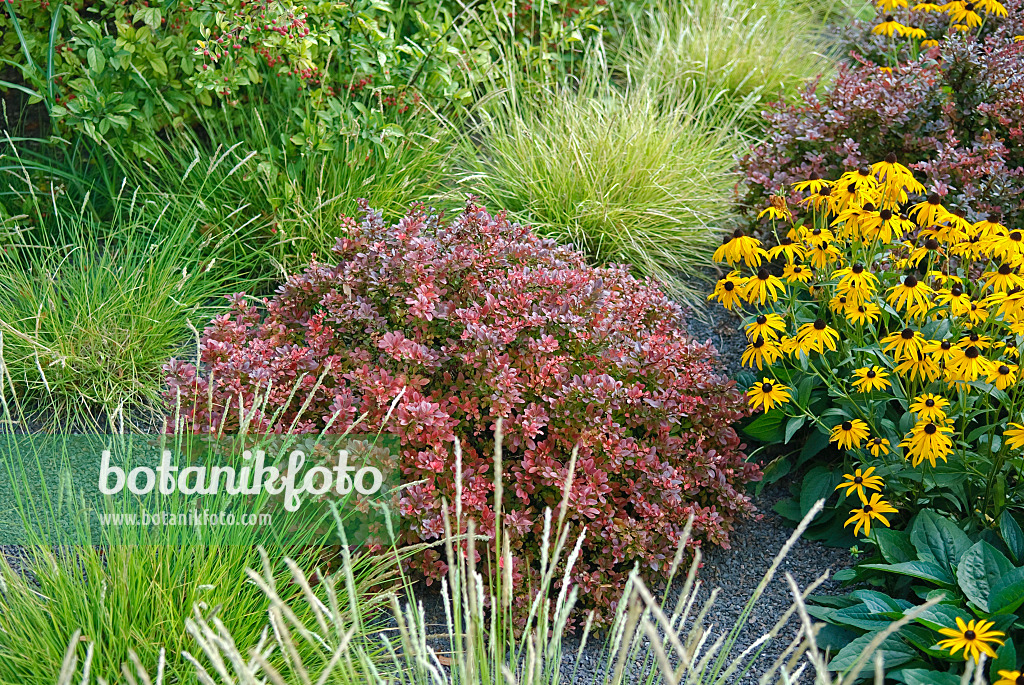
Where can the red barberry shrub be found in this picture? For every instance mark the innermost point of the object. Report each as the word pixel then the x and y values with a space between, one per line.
pixel 478 318
pixel 955 115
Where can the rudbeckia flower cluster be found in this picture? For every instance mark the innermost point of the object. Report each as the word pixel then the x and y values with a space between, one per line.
pixel 907 316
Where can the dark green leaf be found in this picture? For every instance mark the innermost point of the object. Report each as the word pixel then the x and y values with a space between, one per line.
pixel 1013 536
pixel 979 570
pixel 817 485
pixel 894 545
pixel 894 652
pixel 924 570
pixel 938 539
pixel 1006 660
pixel 1007 593
pixel 941 616
pixel 920 676
pixel 767 427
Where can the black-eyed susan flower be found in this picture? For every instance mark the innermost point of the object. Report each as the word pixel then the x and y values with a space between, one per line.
pixel 903 345
pixel 964 13
pixel 890 5
pixel 930 407
pixel 821 255
pixel 767 394
pixel 885 225
pixel 839 303
pixel 740 247
pixel 1010 678
pixel 930 43
pixel 859 481
pixel 914 31
pixel 929 212
pixel 864 313
pixel 928 248
pixel 1002 375
pixel 927 7
pixel 876 508
pixel 816 236
pixel 1008 246
pixel 921 368
pixel 1003 279
pixel 767 326
pixel 991 7
pixel 789 346
pixel 975 637
pixel 982 342
pixel 728 290
pixel 814 183
pixel 891 171
pixel 1014 436
pixel 788 248
pixel 989 227
pixel 871 378
pixel 928 440
pixel 763 286
pixel 823 200
pixel 816 337
pixel 955 298
pixel 760 353
pixel 862 179
pixel 856 278
pixel 967 364
pixel 889 27
pixel 910 293
pixel 797 273
pixel 977 314
pixel 849 434
pixel 878 447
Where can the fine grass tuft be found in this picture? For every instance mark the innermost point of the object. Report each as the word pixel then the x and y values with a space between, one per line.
pixel 612 174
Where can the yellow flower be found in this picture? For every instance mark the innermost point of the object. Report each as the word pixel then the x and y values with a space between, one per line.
pixel 940 350
pixel 855 277
pixel 728 290
pixel 839 303
pixel 849 434
pixel 739 247
pixel 1008 246
pixel 914 31
pixel 967 365
pixel 930 43
pixel 972 637
pixel 921 367
pixel 991 7
pixel 959 303
pixel 879 447
pixel 767 326
pixel 871 378
pixel 1004 278
pixel 963 13
pixel 777 209
pixel 929 212
pixel 890 5
pixel 859 481
pixel 910 293
pixel 929 407
pixel 762 287
pixel 814 183
pixel 1014 436
pixel 889 26
pixel 903 345
pixel 861 314
pixel 816 337
pixel 760 353
pixel 822 255
pixel 767 394
pixel 876 508
pixel 1010 678
pixel 791 250
pixel 794 273
pixel 1003 375
pixel 927 7
pixel 928 440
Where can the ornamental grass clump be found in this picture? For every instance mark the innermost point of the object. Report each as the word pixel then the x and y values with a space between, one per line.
pixel 455 323
pixel 890 326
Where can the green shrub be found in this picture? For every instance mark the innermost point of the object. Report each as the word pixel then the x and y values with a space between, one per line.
pixel 613 175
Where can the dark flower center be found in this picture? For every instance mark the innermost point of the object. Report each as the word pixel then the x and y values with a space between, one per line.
pixel 798 269
pixel 933 199
pixel 864 170
pixel 877 441
pixel 930 429
pixel 1015 236
pixel 886 214
pixel 869 207
pixel 871 373
pixel 762 274
pixel 931 244
pixel 729 285
pixel 971 352
pixel 956 290
pixel 786 241
pixel 766 388
pixel 762 319
pixel 929 402
pixel 852 188
pixel 907 334
pixel 946 345
pixel 910 282
pixel 847 426
pixel 858 480
pixel 889 18
pixel 1004 370
pixel 1019 680
pixel 1004 270
pixel 867 509
pixel 857 268
pixel 759 342
pixel 819 325
pixel 862 309
pixel 842 300
pixel 825 190
pixel 970 635
pixel 974 337
pixel 960 213
pixel 738 233
pixel 816 231
pixel 814 176
pixel 995 217
pixel 969 6
pixel 890 158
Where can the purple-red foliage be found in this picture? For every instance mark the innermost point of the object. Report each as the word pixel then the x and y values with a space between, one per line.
pixel 478 318
pixel 955 115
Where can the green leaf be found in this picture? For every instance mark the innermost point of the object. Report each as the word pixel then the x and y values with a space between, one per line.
pixel 1006 660
pixel 894 545
pixel 938 539
pixel 941 616
pixel 923 570
pixel 894 651
pixel 95 59
pixel 920 676
pixel 1013 536
pixel 1007 593
pixel 980 568
pixel 817 484
pixel 767 427
pixel 861 616
pixel 794 424
pixel 788 508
